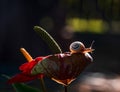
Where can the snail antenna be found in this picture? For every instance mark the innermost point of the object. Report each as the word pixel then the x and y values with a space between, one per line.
pixel 92 44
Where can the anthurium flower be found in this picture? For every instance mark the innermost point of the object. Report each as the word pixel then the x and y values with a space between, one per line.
pixel 62 68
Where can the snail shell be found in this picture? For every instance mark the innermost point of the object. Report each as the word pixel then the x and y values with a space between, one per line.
pixel 77 47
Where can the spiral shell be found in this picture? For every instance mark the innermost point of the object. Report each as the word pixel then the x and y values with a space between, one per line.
pixel 77 47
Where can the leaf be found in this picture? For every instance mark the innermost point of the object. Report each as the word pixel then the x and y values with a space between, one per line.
pixel 48 39
pixel 21 87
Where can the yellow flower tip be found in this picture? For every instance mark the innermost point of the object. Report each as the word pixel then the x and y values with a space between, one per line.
pixel 26 54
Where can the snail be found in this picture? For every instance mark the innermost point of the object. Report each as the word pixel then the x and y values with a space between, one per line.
pixel 78 47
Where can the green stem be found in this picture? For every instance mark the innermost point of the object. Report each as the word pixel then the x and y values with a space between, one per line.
pixel 43 84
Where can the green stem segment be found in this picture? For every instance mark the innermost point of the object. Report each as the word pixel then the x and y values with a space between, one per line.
pixel 48 39
pixel 43 85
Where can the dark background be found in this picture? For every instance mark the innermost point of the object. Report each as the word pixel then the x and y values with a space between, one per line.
pixel 18 17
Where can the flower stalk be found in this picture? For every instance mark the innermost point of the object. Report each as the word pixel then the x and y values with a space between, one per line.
pixel 43 85
pixel 65 88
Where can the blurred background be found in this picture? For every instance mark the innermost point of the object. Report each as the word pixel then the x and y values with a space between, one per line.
pixel 66 21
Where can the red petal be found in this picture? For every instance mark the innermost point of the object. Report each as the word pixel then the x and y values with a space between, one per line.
pixel 23 78
pixel 27 67
pixel 26 72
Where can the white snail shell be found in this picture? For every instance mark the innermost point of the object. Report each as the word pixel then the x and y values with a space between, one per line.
pixel 77 47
